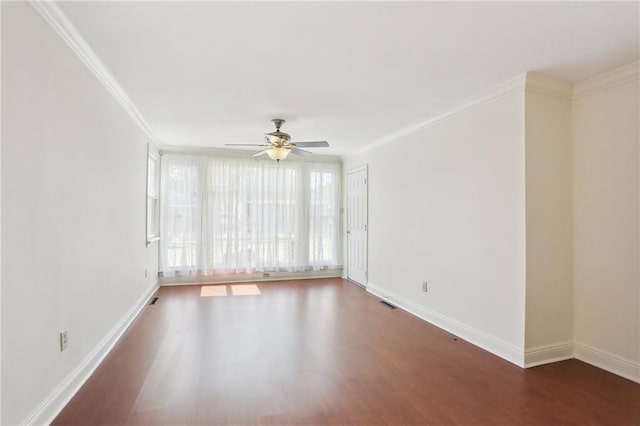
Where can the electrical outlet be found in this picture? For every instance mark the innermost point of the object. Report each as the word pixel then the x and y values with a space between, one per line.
pixel 425 287
pixel 266 274
pixel 64 340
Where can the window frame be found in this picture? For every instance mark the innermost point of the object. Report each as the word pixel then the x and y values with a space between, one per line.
pixel 152 193
pixel 199 252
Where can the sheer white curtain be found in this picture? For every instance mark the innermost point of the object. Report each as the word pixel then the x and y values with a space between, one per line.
pixel 237 215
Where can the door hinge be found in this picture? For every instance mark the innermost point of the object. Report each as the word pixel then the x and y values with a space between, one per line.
pixel 365 181
pixel 365 227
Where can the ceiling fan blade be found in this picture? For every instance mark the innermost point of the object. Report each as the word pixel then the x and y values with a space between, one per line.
pixel 258 154
pixel 299 151
pixel 317 144
pixel 246 144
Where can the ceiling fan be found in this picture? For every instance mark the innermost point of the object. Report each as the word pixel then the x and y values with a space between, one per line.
pixel 280 144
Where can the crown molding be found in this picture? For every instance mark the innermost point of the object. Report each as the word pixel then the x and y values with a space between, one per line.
pixel 52 14
pixel 606 80
pixel 530 81
pixel 540 83
pixel 500 91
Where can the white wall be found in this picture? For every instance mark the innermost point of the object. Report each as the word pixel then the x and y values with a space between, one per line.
pixel 606 214
pixel 549 319
pixel 554 169
pixel 73 212
pixel 447 205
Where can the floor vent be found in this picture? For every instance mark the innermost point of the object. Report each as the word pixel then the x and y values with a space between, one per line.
pixel 154 301
pixel 388 305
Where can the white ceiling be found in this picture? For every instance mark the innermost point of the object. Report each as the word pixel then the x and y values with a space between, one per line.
pixel 209 73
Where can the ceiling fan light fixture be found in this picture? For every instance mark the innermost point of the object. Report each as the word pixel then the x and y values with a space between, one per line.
pixel 278 153
pixel 280 144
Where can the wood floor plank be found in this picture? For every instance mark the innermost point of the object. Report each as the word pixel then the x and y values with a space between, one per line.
pixel 316 352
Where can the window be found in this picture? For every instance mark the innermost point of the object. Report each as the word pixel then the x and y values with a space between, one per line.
pixel 238 215
pixel 324 206
pixel 153 194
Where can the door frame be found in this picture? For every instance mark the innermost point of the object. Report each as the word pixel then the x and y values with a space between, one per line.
pixel 365 168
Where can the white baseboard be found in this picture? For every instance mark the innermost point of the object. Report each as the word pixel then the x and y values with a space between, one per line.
pixel 479 338
pixel 532 357
pixel 51 406
pixel 607 361
pixel 547 354
pixel 252 277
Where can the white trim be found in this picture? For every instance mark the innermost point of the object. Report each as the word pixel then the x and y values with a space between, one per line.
pixel 362 168
pixel 547 354
pixel 606 80
pixel 498 92
pixel 52 14
pixel 479 338
pixel 151 238
pixel 607 361
pixel 254 277
pixel 51 406
pixel 533 81
pixel 548 86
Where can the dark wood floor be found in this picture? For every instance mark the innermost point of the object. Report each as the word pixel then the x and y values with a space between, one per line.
pixel 325 352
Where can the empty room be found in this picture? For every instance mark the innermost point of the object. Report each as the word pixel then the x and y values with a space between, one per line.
pixel 320 213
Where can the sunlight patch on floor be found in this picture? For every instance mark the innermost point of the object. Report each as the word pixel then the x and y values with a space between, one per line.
pixel 245 290
pixel 223 290
pixel 213 290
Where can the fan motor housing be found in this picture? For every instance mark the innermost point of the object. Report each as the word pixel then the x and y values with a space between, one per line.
pixel 278 122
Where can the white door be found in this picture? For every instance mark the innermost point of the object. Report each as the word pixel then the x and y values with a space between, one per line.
pixel 357 225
